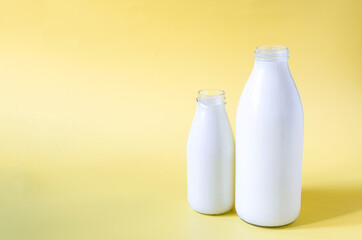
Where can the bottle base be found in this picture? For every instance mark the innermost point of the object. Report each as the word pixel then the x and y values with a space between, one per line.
pixel 273 226
pixel 211 213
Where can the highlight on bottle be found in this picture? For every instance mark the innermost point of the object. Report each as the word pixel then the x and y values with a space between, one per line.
pixel 211 97
pixel 271 53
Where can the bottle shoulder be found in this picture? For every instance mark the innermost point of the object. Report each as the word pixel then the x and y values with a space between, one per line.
pixel 210 129
pixel 262 95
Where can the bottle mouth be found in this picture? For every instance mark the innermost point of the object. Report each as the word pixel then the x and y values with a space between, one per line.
pixel 271 53
pixel 211 96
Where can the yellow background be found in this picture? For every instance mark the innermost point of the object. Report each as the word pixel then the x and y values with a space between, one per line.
pixel 97 98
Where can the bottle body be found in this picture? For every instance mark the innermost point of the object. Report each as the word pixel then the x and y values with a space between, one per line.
pixel 269 146
pixel 210 160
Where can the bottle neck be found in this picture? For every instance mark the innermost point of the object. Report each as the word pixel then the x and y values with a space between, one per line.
pixel 205 107
pixel 271 71
pixel 269 65
pixel 271 60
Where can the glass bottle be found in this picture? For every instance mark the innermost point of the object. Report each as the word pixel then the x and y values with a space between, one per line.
pixel 210 156
pixel 269 142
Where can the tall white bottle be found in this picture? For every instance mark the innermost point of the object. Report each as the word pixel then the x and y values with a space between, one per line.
pixel 269 142
pixel 210 156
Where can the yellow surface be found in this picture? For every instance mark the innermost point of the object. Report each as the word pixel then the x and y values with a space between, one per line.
pixel 97 98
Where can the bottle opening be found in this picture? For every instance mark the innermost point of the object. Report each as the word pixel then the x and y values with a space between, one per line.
pixel 271 53
pixel 211 97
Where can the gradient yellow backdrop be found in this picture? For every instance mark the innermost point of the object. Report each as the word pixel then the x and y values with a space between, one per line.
pixel 97 98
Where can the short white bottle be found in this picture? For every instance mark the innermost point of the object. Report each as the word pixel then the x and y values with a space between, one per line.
pixel 210 156
pixel 269 142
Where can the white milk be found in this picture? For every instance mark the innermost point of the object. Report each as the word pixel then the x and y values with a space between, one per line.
pixel 269 142
pixel 210 156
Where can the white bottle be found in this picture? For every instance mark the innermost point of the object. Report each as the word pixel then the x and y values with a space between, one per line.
pixel 210 156
pixel 269 142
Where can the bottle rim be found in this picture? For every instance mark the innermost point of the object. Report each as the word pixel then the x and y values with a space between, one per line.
pixel 271 53
pixel 211 96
